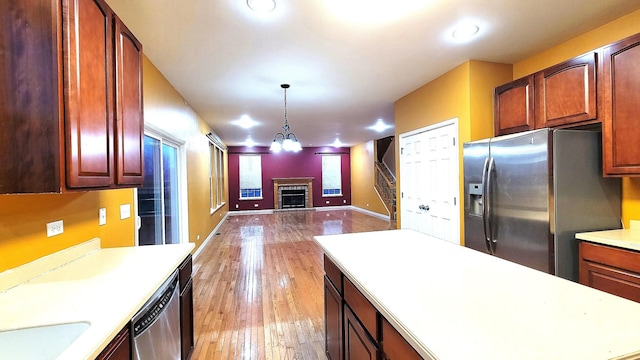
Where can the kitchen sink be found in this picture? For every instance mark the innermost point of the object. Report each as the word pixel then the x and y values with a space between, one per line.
pixel 40 342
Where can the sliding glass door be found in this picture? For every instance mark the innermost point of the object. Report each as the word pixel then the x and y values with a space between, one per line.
pixel 158 205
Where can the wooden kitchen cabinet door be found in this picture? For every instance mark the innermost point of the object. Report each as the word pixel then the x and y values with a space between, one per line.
pixel 514 107
pixel 333 321
pixel 621 123
pixel 394 346
pixel 357 343
pixel 566 94
pixel 129 118
pixel 610 269
pixel 31 138
pixel 88 82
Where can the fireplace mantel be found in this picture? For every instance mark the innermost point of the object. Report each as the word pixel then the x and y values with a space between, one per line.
pixel 305 181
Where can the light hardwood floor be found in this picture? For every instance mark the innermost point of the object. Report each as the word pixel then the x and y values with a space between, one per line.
pixel 258 284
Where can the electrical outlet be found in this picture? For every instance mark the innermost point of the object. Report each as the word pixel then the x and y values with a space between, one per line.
pixel 255 205
pixel 55 228
pixel 344 201
pixel 102 216
pixel 327 201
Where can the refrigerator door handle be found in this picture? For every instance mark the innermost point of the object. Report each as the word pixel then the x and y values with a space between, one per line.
pixel 489 201
pixel 485 202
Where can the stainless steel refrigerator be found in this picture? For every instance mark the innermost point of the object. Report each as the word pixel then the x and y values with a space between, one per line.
pixel 527 194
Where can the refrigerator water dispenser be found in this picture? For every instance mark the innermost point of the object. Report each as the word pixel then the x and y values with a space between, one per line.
pixel 475 199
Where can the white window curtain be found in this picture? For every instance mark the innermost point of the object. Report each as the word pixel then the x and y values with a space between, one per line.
pixel 331 175
pixel 250 176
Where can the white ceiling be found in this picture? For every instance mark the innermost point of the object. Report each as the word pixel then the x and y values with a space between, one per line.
pixel 345 69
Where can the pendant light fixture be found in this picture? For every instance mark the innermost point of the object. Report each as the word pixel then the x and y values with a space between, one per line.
pixel 286 140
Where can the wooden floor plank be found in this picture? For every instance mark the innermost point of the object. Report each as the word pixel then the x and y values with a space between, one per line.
pixel 258 285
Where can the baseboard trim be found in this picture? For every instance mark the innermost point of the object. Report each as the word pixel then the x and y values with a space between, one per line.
pixel 210 236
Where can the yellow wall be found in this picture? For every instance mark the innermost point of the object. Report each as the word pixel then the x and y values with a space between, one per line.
pixel 167 110
pixel 466 93
pixel 363 194
pixel 23 218
pixel 616 30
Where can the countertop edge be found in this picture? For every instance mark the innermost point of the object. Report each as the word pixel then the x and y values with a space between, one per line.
pixel 134 309
pixel 422 349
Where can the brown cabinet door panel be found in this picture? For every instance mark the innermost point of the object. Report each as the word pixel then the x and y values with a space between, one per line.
pixel 129 113
pixel 394 346
pixel 30 110
pixel 357 343
pixel 361 307
pixel 612 280
pixel 332 321
pixel 566 93
pixel 514 107
pixel 88 43
pixel 621 124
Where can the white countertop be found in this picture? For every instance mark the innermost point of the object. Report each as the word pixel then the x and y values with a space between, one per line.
pixel 623 238
pixel 451 302
pixel 104 287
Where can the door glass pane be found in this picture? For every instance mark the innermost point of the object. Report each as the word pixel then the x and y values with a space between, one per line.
pixel 150 195
pixel 170 166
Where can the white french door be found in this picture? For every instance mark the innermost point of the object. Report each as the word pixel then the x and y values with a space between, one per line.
pixel 429 181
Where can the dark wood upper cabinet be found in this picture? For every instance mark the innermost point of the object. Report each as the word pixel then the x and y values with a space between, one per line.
pixel 129 107
pixel 514 107
pixel 621 122
pixel 88 83
pixel 567 93
pixel 70 98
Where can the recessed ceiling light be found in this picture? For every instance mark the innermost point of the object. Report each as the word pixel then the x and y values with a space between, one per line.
pixel 249 142
pixel 465 31
pixel 245 122
pixel 380 126
pixel 337 143
pixel 262 6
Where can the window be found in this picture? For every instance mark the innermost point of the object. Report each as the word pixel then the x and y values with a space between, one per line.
pixel 331 175
pixel 216 173
pixel 158 198
pixel 250 177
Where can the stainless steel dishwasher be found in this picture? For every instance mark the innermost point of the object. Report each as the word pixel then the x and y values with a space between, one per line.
pixel 156 327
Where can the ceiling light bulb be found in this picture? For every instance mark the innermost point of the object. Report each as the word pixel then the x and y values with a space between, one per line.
pixel 262 6
pixel 465 31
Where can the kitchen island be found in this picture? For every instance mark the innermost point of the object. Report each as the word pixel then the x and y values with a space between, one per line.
pixel 451 302
pixel 101 287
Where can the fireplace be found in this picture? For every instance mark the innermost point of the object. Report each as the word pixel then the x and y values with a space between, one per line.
pixel 293 193
pixel 292 198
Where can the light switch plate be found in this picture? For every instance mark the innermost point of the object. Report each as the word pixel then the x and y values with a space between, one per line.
pixel 102 217
pixel 125 211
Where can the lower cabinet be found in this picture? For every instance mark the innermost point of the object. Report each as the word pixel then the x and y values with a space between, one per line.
pixel 395 346
pixel 119 348
pixel 333 321
pixel 186 308
pixel 357 341
pixel 610 269
pixel 354 329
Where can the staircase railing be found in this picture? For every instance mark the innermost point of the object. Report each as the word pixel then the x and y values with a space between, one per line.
pixel 385 185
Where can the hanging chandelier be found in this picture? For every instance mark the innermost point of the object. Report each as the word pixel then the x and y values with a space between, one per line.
pixel 286 140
